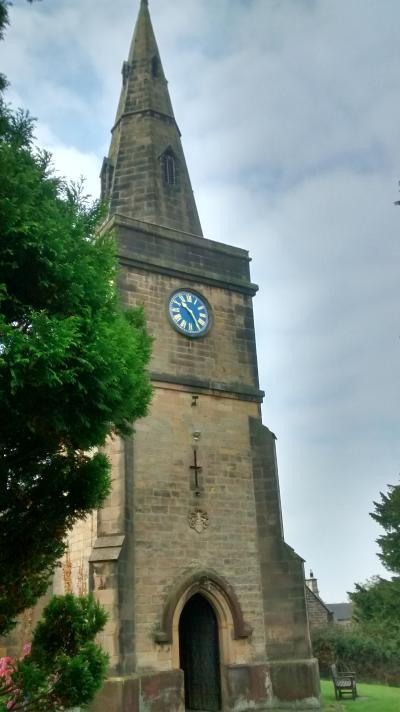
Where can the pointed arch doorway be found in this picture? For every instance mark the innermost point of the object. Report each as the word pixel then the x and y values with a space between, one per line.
pixel 199 655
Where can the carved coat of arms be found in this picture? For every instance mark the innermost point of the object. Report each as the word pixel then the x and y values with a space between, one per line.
pixel 198 520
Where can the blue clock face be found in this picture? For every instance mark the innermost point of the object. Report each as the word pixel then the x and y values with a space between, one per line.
pixel 189 313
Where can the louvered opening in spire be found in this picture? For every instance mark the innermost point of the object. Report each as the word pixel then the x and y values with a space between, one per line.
pixel 145 175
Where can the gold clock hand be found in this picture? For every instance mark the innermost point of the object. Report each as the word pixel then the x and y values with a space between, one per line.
pixel 188 309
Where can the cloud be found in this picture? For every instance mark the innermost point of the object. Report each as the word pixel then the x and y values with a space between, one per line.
pixel 70 162
pixel 290 115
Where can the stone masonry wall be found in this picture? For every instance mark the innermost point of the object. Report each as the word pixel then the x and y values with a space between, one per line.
pixel 318 614
pixel 286 624
pixel 139 189
pixel 160 541
pixel 80 543
pixel 164 544
pixel 226 354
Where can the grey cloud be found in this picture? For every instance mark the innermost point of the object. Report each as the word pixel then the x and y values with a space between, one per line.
pixel 290 113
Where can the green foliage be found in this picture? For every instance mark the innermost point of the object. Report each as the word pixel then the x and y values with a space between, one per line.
pixel 72 362
pixel 387 514
pixel 3 17
pixel 377 606
pixel 3 25
pixel 373 657
pixel 67 623
pixel 372 645
pixel 64 667
pixel 72 372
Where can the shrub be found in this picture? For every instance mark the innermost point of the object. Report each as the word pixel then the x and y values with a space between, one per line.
pixel 63 667
pixel 373 656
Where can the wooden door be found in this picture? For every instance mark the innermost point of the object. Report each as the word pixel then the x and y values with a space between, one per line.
pixel 199 654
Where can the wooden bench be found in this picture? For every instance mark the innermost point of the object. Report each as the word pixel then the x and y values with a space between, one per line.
pixel 344 683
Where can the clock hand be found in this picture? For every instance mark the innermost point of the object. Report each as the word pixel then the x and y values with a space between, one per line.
pixel 188 309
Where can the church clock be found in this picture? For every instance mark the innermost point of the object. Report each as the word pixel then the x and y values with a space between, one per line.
pixel 189 313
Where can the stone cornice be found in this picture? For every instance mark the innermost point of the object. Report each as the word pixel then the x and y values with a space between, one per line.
pixel 161 257
pixel 118 220
pixel 147 112
pixel 191 275
pixel 238 391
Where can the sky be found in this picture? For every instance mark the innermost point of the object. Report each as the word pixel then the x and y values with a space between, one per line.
pixel 290 116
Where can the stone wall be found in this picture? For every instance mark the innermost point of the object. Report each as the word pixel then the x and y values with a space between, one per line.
pixel 318 614
pixel 225 356
pixel 80 543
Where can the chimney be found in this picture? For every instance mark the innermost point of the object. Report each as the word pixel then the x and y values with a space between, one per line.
pixel 312 584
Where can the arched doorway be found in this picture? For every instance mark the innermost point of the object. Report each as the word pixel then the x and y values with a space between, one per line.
pixel 199 655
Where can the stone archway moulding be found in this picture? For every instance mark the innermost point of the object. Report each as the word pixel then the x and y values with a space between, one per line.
pixel 204 581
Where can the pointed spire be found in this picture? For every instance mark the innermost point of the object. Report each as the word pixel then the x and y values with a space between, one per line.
pixel 145 175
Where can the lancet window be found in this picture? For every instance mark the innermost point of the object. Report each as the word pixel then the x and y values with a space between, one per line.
pixel 169 168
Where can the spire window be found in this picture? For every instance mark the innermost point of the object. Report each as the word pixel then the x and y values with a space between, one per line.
pixel 155 67
pixel 170 168
pixel 106 177
pixel 126 70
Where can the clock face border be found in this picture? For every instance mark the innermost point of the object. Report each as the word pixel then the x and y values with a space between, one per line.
pixel 194 335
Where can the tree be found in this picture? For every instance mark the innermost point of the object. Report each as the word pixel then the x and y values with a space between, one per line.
pixel 377 606
pixel 387 514
pixel 377 602
pixel 3 24
pixel 63 667
pixel 72 362
pixel 372 645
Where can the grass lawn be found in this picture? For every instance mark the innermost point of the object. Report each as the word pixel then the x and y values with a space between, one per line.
pixel 371 698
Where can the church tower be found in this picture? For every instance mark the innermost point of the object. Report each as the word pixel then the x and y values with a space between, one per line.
pixel 206 601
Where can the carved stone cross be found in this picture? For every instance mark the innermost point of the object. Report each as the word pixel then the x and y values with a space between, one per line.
pixel 196 469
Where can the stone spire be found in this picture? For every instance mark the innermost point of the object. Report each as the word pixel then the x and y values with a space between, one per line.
pixel 145 175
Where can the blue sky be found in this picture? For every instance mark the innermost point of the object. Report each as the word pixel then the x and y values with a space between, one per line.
pixel 289 111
